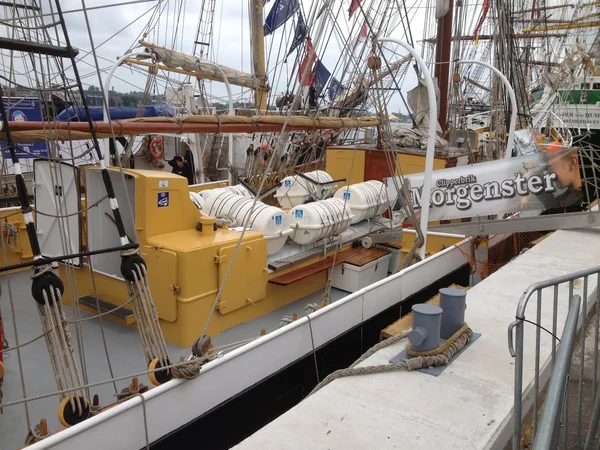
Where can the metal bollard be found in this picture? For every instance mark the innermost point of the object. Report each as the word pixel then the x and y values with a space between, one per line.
pixel 453 303
pixel 425 334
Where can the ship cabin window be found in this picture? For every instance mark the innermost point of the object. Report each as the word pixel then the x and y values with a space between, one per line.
pixel 585 85
pixel 596 86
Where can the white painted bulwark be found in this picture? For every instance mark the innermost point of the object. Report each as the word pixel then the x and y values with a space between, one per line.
pixel 178 402
pixel 469 405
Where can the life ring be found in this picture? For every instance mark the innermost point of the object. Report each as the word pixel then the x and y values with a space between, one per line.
pixel 157 147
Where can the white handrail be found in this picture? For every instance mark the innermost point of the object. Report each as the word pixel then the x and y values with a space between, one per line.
pixel 513 103
pixel 431 137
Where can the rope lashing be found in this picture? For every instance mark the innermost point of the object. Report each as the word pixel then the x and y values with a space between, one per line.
pixel 133 389
pixel 201 354
pixel 286 320
pixel 95 408
pixel 224 220
pixel 38 434
pixel 440 359
pixel 311 308
pixel 442 348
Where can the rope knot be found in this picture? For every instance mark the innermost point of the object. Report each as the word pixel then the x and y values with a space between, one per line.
pixel 134 388
pixel 311 308
pixel 130 252
pixel 286 320
pixel 224 220
pixel 40 270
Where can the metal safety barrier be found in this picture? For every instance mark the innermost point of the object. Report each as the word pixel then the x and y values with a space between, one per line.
pixel 556 397
pixel 516 348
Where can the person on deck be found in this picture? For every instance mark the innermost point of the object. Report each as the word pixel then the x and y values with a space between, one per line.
pixel 183 168
pixel 564 162
pixel 187 153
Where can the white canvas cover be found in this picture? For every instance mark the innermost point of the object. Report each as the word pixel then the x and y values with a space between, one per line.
pixel 57 194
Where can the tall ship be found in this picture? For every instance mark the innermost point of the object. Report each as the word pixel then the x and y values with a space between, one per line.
pixel 185 263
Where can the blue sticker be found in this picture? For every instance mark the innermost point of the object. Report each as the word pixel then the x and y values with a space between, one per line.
pixel 163 199
pixel 278 219
pixel 346 195
pixel 287 183
pixel 299 214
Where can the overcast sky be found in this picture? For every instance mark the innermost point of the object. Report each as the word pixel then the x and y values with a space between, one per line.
pixel 116 30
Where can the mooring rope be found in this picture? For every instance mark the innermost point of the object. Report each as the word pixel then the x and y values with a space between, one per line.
pixel 454 344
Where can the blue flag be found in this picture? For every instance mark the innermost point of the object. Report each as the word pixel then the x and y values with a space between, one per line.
pixel 281 11
pixel 335 88
pixel 301 33
pixel 321 75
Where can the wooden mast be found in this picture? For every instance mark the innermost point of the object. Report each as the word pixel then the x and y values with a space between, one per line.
pixel 258 54
pixel 442 62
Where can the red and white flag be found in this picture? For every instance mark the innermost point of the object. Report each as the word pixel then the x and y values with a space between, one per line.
pixel 306 65
pixel 364 32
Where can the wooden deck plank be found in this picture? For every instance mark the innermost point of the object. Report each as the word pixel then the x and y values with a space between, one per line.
pixel 405 323
pixel 370 255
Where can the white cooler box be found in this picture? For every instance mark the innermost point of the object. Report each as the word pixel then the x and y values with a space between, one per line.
pixel 395 256
pixel 362 270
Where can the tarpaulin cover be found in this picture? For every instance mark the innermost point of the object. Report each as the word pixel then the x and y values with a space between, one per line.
pixel 77 114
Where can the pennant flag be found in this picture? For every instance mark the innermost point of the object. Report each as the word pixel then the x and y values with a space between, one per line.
pixel 353 7
pixel 301 33
pixel 364 32
pixel 309 59
pixel 484 12
pixel 321 75
pixel 281 11
pixel 335 88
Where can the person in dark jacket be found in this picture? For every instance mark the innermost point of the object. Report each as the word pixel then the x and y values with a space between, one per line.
pixel 183 168
pixel 187 155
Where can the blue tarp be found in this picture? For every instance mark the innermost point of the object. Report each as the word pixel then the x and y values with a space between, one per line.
pixel 77 114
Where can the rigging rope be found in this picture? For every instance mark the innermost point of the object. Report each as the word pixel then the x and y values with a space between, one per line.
pixel 47 290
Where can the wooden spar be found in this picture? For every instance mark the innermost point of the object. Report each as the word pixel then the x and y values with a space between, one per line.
pixel 487 37
pixel 539 63
pixel 258 53
pixel 568 26
pixel 70 131
pixel 196 67
pixel 442 62
pixel 161 67
pixel 542 8
pixel 479 85
pixel 539 21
